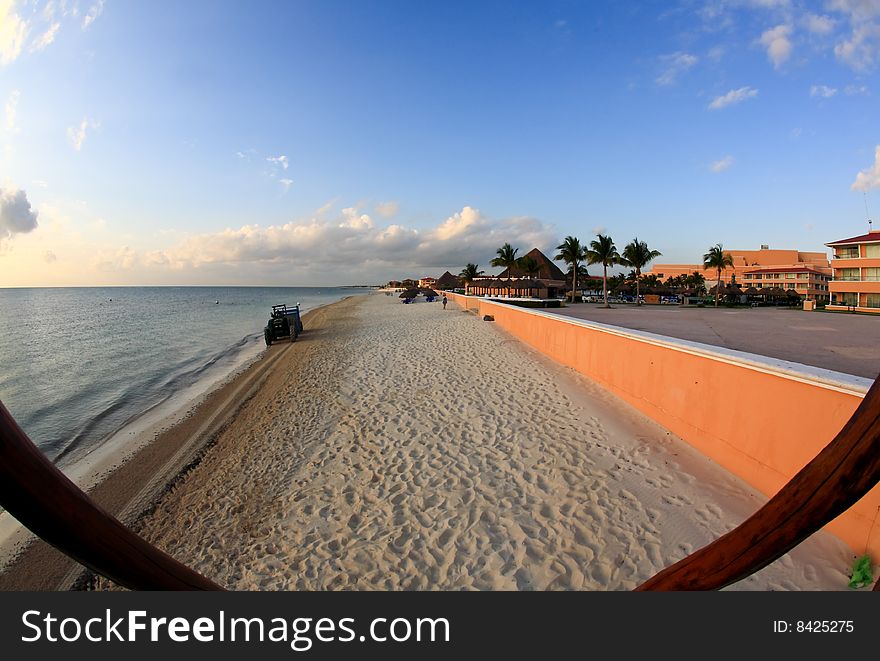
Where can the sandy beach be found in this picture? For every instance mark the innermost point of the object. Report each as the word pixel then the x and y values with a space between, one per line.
pixel 407 447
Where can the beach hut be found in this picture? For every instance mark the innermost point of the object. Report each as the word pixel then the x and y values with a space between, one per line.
pixel 448 281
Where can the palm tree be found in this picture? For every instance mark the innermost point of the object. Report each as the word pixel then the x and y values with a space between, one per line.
pixel 507 259
pixel 468 273
pixel 717 259
pixel 637 254
pixel 603 251
pixel 572 253
pixel 529 266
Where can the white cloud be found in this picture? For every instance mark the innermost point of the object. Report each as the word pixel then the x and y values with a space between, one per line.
pixel 778 45
pixel 121 259
pixel 856 90
pixel 769 4
pixel 715 53
pixel 465 221
pixel 721 164
pixel 45 39
pixel 860 50
pixel 387 209
pixel 353 241
pixel 77 134
pixel 674 65
pixel 11 111
pixel 93 13
pixel 870 178
pixel 733 97
pixel 13 31
pixel 279 160
pixel 858 10
pixel 823 91
pixel 286 184
pixel 16 215
pixel 817 24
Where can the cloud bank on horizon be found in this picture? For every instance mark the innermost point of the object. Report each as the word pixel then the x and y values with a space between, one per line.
pixel 350 240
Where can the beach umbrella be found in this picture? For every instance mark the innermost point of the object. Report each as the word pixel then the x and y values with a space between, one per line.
pixel 409 293
pixel 751 291
pixel 428 292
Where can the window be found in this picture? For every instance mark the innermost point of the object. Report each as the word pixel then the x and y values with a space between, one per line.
pixel 872 250
pixel 848 274
pixel 847 298
pixel 872 301
pixel 872 274
pixel 847 253
pixel 756 276
pixel 789 276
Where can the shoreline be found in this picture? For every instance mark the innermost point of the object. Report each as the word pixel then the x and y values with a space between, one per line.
pixel 128 484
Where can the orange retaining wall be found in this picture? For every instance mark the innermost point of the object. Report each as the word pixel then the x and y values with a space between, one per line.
pixel 689 389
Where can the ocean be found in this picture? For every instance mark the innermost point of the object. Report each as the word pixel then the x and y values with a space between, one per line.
pixel 79 364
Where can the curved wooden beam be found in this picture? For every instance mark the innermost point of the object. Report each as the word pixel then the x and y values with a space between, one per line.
pixel 44 500
pixel 827 486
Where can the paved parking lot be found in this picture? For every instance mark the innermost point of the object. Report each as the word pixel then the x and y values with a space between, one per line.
pixel 842 342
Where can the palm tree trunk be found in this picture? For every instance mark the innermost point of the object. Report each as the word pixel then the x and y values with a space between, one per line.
pixel 638 275
pixel 574 280
pixel 605 284
pixel 718 287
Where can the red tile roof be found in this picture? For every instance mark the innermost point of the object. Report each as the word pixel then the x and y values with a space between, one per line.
pixel 871 237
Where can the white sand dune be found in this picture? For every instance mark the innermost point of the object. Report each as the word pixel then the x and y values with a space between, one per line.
pixel 408 447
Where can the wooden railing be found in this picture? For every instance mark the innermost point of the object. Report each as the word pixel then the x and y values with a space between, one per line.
pixel 44 500
pixel 827 486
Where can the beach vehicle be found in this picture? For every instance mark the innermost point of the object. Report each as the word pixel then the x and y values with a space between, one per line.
pixel 283 323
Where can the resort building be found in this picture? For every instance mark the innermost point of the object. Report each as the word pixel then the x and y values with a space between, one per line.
pixel 547 281
pixel 809 283
pixel 427 282
pixel 756 262
pixel 856 284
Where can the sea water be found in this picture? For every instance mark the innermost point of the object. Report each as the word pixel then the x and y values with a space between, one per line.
pixel 78 364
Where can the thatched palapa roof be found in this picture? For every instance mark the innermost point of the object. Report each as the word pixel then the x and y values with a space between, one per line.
pixel 548 271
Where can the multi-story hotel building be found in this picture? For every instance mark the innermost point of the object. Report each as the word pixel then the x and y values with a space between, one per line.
pixel 809 282
pixel 856 264
pixel 803 267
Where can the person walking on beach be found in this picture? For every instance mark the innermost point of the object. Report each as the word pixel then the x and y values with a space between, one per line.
pixel 444 301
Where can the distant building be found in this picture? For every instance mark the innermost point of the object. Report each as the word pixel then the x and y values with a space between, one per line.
pixel 427 282
pixel 809 282
pixel 409 283
pixel 856 284
pixel 753 261
pixel 448 281
pixel 547 283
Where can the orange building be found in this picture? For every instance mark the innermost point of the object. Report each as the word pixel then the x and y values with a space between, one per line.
pixel 809 282
pixel 750 261
pixel 856 284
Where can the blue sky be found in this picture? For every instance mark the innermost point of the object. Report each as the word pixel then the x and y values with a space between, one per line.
pixel 301 143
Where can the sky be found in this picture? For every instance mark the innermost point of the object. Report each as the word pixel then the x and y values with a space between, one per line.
pixel 354 142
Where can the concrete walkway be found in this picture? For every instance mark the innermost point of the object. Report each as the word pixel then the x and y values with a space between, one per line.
pixel 842 342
